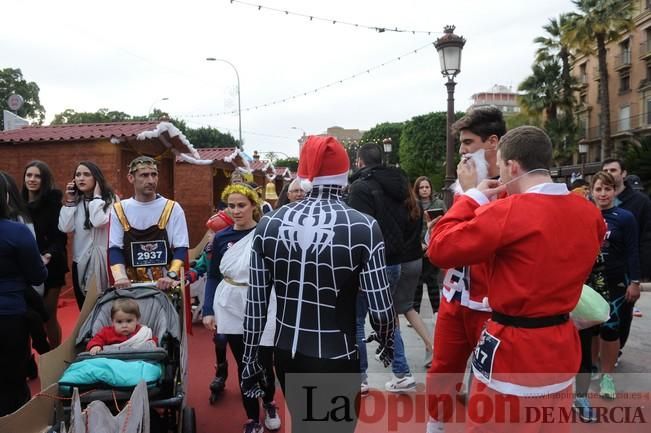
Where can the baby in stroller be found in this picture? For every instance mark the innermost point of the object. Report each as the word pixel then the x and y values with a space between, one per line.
pixel 125 330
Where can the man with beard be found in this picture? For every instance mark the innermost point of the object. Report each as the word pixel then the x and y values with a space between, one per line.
pixel 463 311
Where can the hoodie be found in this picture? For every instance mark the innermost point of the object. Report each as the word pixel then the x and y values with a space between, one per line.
pixel 380 192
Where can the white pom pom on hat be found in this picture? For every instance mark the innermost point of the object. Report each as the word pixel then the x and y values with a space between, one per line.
pixel 323 161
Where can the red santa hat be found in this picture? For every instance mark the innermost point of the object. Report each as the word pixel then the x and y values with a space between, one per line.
pixel 323 161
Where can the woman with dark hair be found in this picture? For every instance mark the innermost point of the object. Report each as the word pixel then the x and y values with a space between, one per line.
pixel 410 270
pixel 20 266
pixel 427 200
pixel 43 203
pixel 87 210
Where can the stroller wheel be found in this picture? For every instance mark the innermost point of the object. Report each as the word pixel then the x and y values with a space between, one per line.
pixel 189 421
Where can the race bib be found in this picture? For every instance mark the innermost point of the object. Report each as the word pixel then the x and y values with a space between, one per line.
pixel 484 354
pixel 149 253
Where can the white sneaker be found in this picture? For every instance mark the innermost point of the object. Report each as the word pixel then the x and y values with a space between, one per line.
pixel 401 384
pixel 434 426
pixel 364 388
pixel 271 418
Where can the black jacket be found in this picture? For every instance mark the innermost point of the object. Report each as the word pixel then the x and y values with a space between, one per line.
pixel 45 216
pixel 381 193
pixel 640 206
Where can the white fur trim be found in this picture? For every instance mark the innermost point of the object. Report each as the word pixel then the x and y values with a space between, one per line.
pixel 306 185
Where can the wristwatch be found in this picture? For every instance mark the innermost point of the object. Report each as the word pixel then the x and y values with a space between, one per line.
pixel 173 275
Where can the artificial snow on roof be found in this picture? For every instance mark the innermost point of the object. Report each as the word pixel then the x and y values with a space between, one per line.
pixel 173 131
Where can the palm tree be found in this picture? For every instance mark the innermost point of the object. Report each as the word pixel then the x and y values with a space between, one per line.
pixel 599 21
pixel 555 47
pixel 542 90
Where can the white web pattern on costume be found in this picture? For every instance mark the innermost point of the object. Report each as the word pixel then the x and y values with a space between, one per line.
pixel 311 251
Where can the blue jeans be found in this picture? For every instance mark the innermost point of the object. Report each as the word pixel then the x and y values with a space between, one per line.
pixel 399 366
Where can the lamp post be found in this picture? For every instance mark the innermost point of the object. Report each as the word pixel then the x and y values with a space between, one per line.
pixel 388 147
pixel 151 107
pixel 583 153
pixel 239 105
pixel 449 47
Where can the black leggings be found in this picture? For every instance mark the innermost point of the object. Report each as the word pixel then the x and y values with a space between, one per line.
pixel 585 369
pixel 14 346
pixel 80 296
pixel 314 386
pixel 428 276
pixel 265 356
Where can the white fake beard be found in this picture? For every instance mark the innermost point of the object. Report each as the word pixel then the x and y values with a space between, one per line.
pixel 481 165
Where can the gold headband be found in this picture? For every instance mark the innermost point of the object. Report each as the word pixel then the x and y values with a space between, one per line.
pixel 142 162
pixel 243 189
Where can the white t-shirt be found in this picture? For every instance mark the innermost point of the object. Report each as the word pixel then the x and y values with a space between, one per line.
pixel 142 215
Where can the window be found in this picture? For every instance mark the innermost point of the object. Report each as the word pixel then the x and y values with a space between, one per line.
pixel 648 111
pixel 624 82
pixel 625 118
pixel 583 74
pixel 583 98
pixel 583 124
pixel 625 50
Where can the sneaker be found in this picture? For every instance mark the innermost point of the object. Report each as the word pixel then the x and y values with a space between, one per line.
pixel 584 409
pixel 637 312
pixel 271 418
pixel 252 427
pixel 619 358
pixel 594 373
pixel 434 426
pixel 428 358
pixel 363 389
pixel 401 384
pixel 607 387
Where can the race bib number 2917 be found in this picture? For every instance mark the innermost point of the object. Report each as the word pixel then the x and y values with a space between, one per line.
pixel 484 355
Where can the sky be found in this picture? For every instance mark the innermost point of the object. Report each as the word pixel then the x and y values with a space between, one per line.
pixel 131 55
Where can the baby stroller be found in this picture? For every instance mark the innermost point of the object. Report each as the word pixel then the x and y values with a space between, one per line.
pixel 164 314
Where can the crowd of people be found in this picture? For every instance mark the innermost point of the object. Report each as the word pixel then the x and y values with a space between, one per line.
pixel 289 290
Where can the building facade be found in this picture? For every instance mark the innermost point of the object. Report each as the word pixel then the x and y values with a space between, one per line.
pixel 499 96
pixel 629 85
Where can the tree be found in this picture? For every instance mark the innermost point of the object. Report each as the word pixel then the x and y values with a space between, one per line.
pixel 599 22
pixel 209 137
pixel 554 47
pixel 544 104
pixel 12 81
pixel 638 161
pixel 103 115
pixel 422 147
pixel 291 163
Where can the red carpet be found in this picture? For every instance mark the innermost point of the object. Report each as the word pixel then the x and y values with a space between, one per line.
pixel 380 412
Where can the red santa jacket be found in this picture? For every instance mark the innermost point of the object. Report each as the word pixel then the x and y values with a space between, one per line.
pixel 539 248
pixel 107 335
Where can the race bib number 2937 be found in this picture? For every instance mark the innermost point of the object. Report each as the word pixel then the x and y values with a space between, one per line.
pixel 149 253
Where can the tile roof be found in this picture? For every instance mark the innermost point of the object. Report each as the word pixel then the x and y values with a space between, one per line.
pixel 260 165
pixel 72 132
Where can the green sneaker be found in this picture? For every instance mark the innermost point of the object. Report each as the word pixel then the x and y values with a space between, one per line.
pixel 607 387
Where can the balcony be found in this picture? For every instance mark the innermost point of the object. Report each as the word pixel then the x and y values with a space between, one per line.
pixel 623 61
pixel 645 50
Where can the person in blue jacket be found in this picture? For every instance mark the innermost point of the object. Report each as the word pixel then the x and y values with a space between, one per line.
pixel 21 266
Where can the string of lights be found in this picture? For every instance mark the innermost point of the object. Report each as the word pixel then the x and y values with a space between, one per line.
pixel 379 29
pixel 309 92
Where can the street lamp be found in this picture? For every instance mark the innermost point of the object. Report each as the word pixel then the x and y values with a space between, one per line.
pixel 388 146
pixel 583 154
pixel 151 107
pixel 239 104
pixel 449 47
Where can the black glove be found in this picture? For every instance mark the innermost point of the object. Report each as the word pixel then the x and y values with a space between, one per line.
pixel 384 351
pixel 253 380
